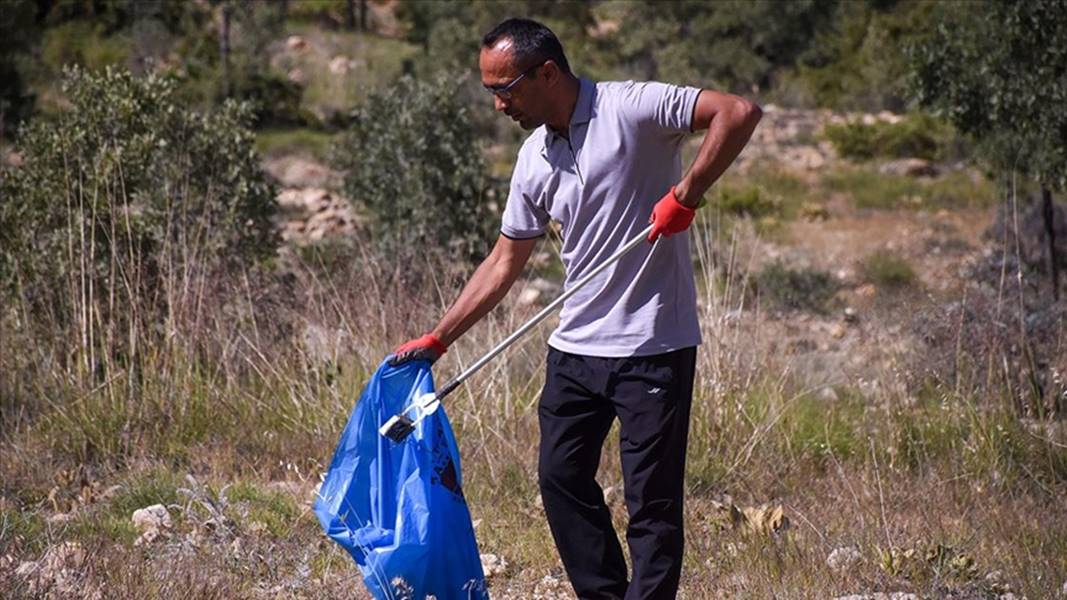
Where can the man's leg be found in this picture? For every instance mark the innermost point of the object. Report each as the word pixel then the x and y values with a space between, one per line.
pixel 652 396
pixel 574 421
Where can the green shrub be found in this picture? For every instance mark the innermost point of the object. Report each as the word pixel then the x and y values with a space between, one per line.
pixel 917 135
pixel 818 428
pixel 870 189
pixel 795 289
pixel 410 157
pixel 749 201
pixel 887 270
pixel 125 192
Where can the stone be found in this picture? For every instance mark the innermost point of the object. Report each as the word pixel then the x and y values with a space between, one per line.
pixel 851 316
pixel 151 521
pixel 838 331
pixel 888 117
pixel 842 559
pixel 493 565
pixel 297 75
pixel 911 167
pixel 829 395
pixel 339 65
pixel 60 518
pixel 295 43
pixel 551 588
pixel 300 172
pixel 151 517
pixel 529 296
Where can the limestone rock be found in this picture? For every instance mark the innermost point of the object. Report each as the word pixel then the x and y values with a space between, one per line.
pixel 493 565
pixel 842 559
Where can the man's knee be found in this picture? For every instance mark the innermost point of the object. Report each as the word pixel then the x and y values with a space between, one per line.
pixel 555 473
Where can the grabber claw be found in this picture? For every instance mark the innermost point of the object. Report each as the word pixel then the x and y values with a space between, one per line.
pixel 400 426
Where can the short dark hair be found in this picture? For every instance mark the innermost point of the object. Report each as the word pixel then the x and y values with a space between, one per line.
pixel 531 43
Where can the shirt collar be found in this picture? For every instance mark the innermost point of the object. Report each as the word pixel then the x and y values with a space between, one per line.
pixel 583 110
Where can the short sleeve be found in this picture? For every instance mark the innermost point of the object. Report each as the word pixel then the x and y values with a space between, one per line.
pixel 523 217
pixel 670 107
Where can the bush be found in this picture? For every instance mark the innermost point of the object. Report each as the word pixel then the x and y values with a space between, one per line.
pixel 918 136
pixel 748 201
pixel 126 191
pixel 795 289
pixel 887 270
pixel 411 159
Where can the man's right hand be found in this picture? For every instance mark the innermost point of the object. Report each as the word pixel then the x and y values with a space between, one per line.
pixel 427 347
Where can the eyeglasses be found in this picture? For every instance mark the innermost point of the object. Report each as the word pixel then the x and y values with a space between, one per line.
pixel 504 91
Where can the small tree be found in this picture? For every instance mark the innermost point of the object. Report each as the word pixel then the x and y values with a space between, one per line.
pixel 998 71
pixel 410 157
pixel 123 200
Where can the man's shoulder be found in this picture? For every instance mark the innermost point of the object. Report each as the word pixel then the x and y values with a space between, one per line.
pixel 630 89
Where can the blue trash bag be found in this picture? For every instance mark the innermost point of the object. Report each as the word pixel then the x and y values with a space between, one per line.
pixel 398 508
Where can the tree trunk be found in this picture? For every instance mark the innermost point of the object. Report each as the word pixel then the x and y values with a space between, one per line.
pixel 350 14
pixel 363 15
pixel 224 48
pixel 1049 212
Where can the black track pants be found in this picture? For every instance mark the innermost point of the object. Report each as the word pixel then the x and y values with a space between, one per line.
pixel 651 396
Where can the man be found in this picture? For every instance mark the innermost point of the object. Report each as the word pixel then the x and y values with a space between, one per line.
pixel 604 160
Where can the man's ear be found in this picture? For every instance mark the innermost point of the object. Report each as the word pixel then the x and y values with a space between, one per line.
pixel 550 72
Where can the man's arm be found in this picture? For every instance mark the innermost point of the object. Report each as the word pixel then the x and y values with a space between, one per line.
pixel 486 288
pixel 729 121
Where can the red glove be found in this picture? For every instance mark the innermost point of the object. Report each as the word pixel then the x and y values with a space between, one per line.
pixel 670 216
pixel 427 347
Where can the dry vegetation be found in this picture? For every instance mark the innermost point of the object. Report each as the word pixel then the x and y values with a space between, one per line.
pixel 894 474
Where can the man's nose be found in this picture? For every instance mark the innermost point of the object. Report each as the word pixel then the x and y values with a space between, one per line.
pixel 499 103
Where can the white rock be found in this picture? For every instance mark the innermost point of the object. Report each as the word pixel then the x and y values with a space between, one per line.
pixel 339 65
pixel 60 518
pixel 493 565
pixel 529 296
pixel 151 517
pixel 297 76
pixel 841 559
pixel 829 395
pixel 295 42
pixel 912 167
pixel 551 588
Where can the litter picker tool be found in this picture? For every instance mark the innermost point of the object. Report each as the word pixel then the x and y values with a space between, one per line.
pixel 399 426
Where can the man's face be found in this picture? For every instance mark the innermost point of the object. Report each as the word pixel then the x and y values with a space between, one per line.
pixel 526 102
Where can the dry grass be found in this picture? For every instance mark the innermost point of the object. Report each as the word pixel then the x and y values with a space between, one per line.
pixel 229 416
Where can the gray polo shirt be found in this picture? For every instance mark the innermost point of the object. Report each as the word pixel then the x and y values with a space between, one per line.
pixel 622 157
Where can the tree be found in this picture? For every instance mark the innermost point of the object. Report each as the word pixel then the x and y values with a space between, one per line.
pixel 411 158
pixel 735 45
pixel 998 71
pixel 124 200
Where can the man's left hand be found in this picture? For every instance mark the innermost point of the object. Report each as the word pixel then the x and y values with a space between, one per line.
pixel 670 216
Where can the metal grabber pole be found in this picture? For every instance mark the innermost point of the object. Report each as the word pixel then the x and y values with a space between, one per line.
pixel 399 426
